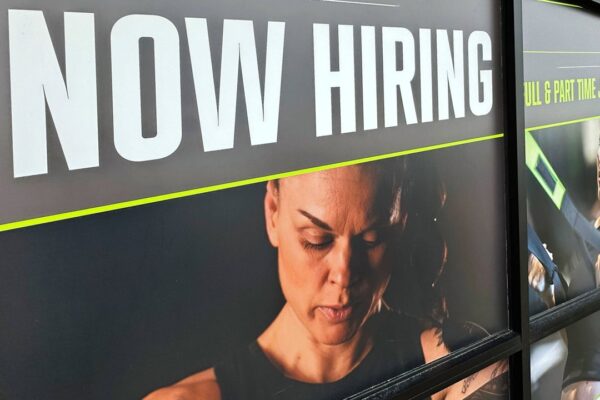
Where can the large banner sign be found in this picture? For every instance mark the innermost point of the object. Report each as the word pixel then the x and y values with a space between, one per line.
pixel 335 177
pixel 163 98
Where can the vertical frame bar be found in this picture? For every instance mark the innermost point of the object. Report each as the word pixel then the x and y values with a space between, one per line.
pixel 516 195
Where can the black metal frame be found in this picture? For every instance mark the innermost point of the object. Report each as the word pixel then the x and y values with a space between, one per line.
pixel 515 342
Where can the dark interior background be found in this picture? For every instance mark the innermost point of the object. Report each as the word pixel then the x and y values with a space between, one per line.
pixel 114 305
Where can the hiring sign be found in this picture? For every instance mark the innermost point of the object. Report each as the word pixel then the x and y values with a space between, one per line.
pixel 91 96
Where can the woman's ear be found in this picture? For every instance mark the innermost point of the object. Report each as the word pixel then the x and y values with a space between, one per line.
pixel 271 212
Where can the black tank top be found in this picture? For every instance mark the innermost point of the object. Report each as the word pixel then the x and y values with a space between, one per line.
pixel 249 375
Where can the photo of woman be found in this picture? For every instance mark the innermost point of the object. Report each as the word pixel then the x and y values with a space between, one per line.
pixel 316 285
pixel 338 235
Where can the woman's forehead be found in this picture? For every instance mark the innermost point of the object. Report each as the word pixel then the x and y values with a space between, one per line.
pixel 337 178
pixel 350 186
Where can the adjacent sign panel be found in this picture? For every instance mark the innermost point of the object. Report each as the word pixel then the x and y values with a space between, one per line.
pixel 355 225
pixel 562 99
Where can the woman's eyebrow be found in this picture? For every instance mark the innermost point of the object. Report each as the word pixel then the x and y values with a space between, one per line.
pixel 315 220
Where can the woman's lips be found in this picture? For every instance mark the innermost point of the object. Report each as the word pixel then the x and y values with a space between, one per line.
pixel 336 314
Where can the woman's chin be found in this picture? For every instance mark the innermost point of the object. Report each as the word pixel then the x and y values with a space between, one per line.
pixel 334 334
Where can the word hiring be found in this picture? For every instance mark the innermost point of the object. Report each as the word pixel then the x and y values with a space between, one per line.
pixel 37 82
pixel 450 76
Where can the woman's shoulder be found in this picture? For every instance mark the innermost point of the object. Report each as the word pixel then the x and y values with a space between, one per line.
pixel 200 386
pixel 492 378
pixel 433 345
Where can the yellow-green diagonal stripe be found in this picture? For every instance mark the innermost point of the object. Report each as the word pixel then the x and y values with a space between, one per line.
pixel 191 192
pixel 560 3
pixel 562 123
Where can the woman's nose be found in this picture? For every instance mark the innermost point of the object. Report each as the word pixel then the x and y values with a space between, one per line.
pixel 342 270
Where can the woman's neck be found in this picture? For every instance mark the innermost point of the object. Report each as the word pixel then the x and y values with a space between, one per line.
pixel 291 347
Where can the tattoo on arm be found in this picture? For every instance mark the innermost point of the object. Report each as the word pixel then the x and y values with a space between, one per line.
pixel 467 382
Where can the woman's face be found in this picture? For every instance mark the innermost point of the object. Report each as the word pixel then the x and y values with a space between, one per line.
pixel 332 230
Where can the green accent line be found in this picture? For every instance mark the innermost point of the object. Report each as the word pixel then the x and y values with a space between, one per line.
pixel 559 3
pixel 192 192
pixel 533 156
pixel 559 52
pixel 574 121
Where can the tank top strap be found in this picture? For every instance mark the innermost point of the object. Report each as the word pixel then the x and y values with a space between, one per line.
pixel 247 374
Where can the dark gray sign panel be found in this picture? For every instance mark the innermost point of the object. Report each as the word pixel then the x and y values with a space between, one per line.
pixel 112 105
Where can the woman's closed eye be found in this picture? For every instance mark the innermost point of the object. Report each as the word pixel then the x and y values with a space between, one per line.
pixel 372 238
pixel 315 241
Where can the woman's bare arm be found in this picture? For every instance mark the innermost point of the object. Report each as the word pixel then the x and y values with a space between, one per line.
pixel 469 385
pixel 434 348
pixel 200 386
